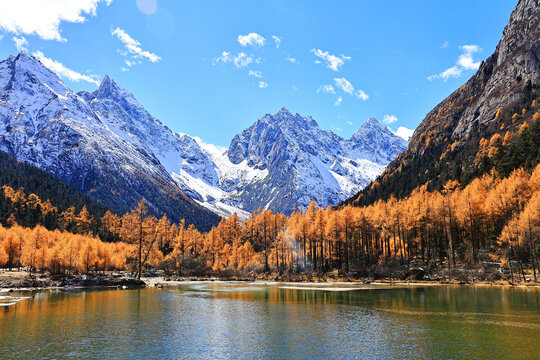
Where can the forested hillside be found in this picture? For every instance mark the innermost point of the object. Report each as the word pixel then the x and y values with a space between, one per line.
pixel 17 175
pixel 482 125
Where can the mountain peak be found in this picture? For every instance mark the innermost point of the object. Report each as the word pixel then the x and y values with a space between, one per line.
pixel 371 125
pixel 372 122
pixel 283 111
pixel 110 89
pixel 285 116
pixel 26 59
pixel 23 56
pixel 26 72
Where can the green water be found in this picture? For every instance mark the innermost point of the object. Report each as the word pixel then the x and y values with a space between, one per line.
pixel 255 321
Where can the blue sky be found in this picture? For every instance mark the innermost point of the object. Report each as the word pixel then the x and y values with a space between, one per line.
pixel 211 68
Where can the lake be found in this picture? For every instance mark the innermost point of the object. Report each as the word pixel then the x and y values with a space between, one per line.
pixel 215 320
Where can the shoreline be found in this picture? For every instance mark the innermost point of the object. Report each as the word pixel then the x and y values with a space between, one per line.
pixel 20 282
pixel 353 284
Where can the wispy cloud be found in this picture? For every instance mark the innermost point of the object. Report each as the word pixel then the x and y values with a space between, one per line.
pixel 252 39
pixel 224 58
pixel 133 48
pixel 292 60
pixel 327 89
pixel 348 88
pixel 344 85
pixel 242 60
pixel 20 43
pixel 390 119
pixel 332 61
pixel 361 94
pixel 445 44
pixel 63 71
pixel 254 73
pixel 43 17
pixel 239 60
pixel 464 62
pixel 262 84
pixel 277 40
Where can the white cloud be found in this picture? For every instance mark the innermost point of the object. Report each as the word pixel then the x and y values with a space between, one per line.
pixel 332 62
pixel 131 63
pixel 404 133
pixel 344 85
pixel 133 47
pixel 20 43
pixel 338 101
pixel 465 62
pixel 224 58
pixel 239 60
pixel 262 84
pixel 1 36
pixel 327 89
pixel 63 71
pixel 277 40
pixel 361 94
pixel 390 119
pixel 242 60
pixel 43 17
pixel 252 39
pixel 349 123
pixel 295 87
pixel 292 60
pixel 256 74
pixel 445 44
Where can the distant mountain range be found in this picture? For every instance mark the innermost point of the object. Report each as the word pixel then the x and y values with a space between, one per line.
pixel 477 127
pixel 107 145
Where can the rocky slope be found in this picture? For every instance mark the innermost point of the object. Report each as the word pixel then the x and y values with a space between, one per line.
pixel 44 123
pixel 303 162
pixel 452 140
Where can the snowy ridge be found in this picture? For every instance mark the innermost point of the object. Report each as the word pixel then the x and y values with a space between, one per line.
pixel 105 139
pixel 305 162
pixel 77 139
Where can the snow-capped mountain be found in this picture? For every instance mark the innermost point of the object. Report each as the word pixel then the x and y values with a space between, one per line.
pixel 304 162
pixel 106 144
pixel 49 126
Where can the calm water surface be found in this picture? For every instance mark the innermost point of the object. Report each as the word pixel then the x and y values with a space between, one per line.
pixel 256 321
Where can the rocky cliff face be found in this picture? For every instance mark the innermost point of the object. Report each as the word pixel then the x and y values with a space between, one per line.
pixel 446 144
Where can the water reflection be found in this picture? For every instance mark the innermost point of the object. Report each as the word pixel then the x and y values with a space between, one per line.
pixel 217 320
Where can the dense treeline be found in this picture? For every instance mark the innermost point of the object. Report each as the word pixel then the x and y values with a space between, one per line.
pixel 60 252
pixel 490 220
pixel 17 174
